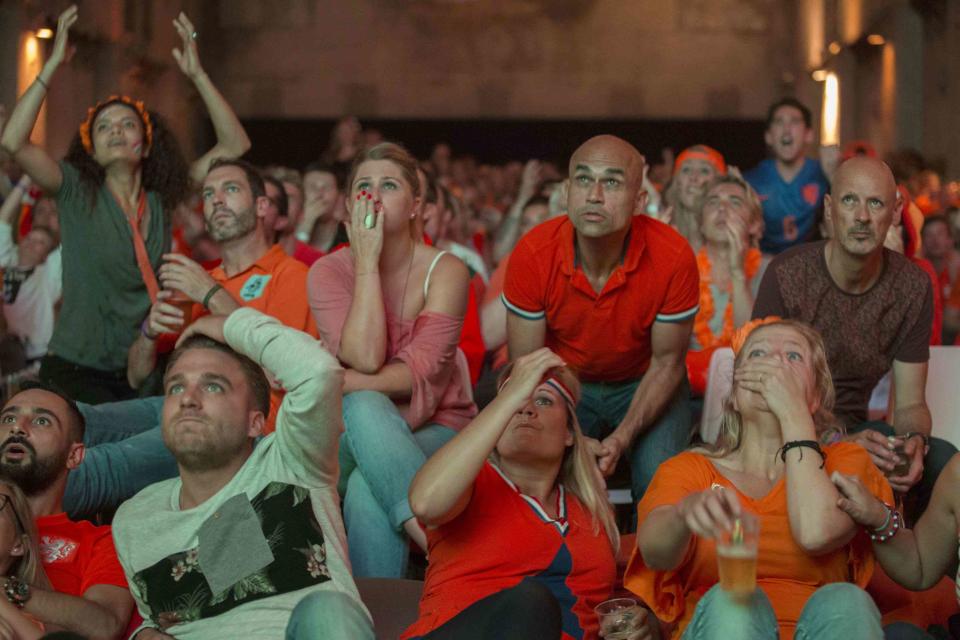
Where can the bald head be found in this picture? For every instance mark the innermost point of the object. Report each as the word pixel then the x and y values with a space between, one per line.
pixel 862 205
pixel 614 151
pixel 605 191
pixel 865 168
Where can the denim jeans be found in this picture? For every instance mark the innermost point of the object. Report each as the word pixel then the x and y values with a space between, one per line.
pixel 124 454
pixel 603 406
pixel 379 456
pixel 917 499
pixel 838 611
pixel 329 615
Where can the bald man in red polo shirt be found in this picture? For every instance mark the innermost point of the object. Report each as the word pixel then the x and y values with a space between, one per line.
pixel 614 293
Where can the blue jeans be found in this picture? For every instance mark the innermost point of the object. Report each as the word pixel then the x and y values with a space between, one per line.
pixel 329 615
pixel 838 611
pixel 124 454
pixel 379 456
pixel 603 406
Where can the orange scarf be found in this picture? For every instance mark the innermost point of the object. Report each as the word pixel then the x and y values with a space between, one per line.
pixel 701 325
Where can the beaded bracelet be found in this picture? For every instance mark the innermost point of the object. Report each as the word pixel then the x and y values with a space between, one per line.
pixel 889 529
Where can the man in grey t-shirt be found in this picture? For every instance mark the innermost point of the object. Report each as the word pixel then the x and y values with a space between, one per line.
pixel 248 540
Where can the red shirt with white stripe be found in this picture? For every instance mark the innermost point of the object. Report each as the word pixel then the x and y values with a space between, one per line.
pixel 603 336
pixel 504 537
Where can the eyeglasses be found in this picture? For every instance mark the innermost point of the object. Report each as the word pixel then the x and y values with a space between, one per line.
pixel 6 500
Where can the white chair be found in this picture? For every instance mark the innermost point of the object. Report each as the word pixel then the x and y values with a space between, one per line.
pixel 943 392
pixel 719 384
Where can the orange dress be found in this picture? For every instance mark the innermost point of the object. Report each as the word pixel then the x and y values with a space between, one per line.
pixel 786 574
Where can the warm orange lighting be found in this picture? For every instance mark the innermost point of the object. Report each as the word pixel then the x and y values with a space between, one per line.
pixel 30 50
pixel 819 75
pixel 834 48
pixel 876 39
pixel 44 33
pixel 830 118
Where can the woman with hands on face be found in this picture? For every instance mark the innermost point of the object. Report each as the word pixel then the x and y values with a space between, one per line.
pixel 391 309
pixel 116 190
pixel 772 459
pixel 522 540
pixel 730 267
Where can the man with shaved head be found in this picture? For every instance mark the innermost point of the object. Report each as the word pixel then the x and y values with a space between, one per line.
pixel 874 309
pixel 613 293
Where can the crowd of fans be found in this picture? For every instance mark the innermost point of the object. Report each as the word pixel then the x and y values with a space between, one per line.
pixel 274 381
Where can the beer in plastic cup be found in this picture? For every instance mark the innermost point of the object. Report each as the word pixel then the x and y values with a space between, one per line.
pixel 185 304
pixel 617 618
pixel 737 556
pixel 903 462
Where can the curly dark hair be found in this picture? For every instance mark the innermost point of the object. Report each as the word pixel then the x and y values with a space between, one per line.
pixel 165 170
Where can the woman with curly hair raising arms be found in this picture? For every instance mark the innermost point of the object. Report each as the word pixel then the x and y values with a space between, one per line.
pixel 116 190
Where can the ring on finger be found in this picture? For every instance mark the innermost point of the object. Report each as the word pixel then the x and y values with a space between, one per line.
pixel 193 35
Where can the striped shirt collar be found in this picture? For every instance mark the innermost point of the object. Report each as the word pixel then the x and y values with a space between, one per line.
pixel 560 522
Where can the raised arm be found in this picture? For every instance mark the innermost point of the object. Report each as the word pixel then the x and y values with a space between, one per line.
pixel 509 230
pixel 8 215
pixel 441 489
pixel 309 421
pixel 817 524
pixel 232 140
pixel 363 339
pixel 36 162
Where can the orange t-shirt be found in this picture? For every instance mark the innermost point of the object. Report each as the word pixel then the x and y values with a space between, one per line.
pixel 785 573
pixel 605 336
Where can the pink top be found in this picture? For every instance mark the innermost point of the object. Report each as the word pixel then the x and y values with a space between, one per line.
pixel 427 344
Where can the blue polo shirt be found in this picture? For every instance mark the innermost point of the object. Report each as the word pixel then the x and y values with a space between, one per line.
pixel 789 208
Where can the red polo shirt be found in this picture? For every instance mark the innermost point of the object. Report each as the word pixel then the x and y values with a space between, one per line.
pixel 605 336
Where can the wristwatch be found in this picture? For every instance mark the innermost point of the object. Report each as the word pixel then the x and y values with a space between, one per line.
pixel 17 591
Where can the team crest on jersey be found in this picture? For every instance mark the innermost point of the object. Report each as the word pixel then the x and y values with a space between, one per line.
pixel 57 549
pixel 811 193
pixel 254 287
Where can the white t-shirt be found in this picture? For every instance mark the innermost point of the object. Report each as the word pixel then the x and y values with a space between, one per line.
pixel 29 297
pixel 236 565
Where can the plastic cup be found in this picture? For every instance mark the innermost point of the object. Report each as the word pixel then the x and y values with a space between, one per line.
pixel 737 556
pixel 185 304
pixel 903 462
pixel 617 618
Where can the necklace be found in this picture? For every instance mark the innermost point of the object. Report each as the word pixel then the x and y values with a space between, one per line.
pixel 406 281
pixel 701 325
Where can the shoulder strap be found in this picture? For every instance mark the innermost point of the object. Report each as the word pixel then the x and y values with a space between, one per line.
pixel 426 281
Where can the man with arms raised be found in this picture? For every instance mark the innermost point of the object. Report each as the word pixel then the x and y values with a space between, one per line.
pixel 248 541
pixel 614 294
pixel 42 436
pixel 874 309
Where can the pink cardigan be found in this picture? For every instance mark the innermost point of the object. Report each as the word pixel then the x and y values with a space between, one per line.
pixel 427 344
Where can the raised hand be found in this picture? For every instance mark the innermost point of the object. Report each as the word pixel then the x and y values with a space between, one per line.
pixel 366 232
pixel 777 382
pixel 187 57
pixel 527 374
pixel 210 326
pixel 61 44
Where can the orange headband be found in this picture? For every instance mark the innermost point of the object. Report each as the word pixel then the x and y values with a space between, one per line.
pixel 701 152
pixel 136 105
pixel 740 335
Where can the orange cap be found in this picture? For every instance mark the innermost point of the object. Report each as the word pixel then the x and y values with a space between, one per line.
pixel 701 152
pixel 740 335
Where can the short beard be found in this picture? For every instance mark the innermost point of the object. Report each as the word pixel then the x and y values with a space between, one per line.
pixel 243 223
pixel 36 476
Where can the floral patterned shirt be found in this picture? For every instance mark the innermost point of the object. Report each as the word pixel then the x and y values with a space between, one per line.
pixel 236 565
